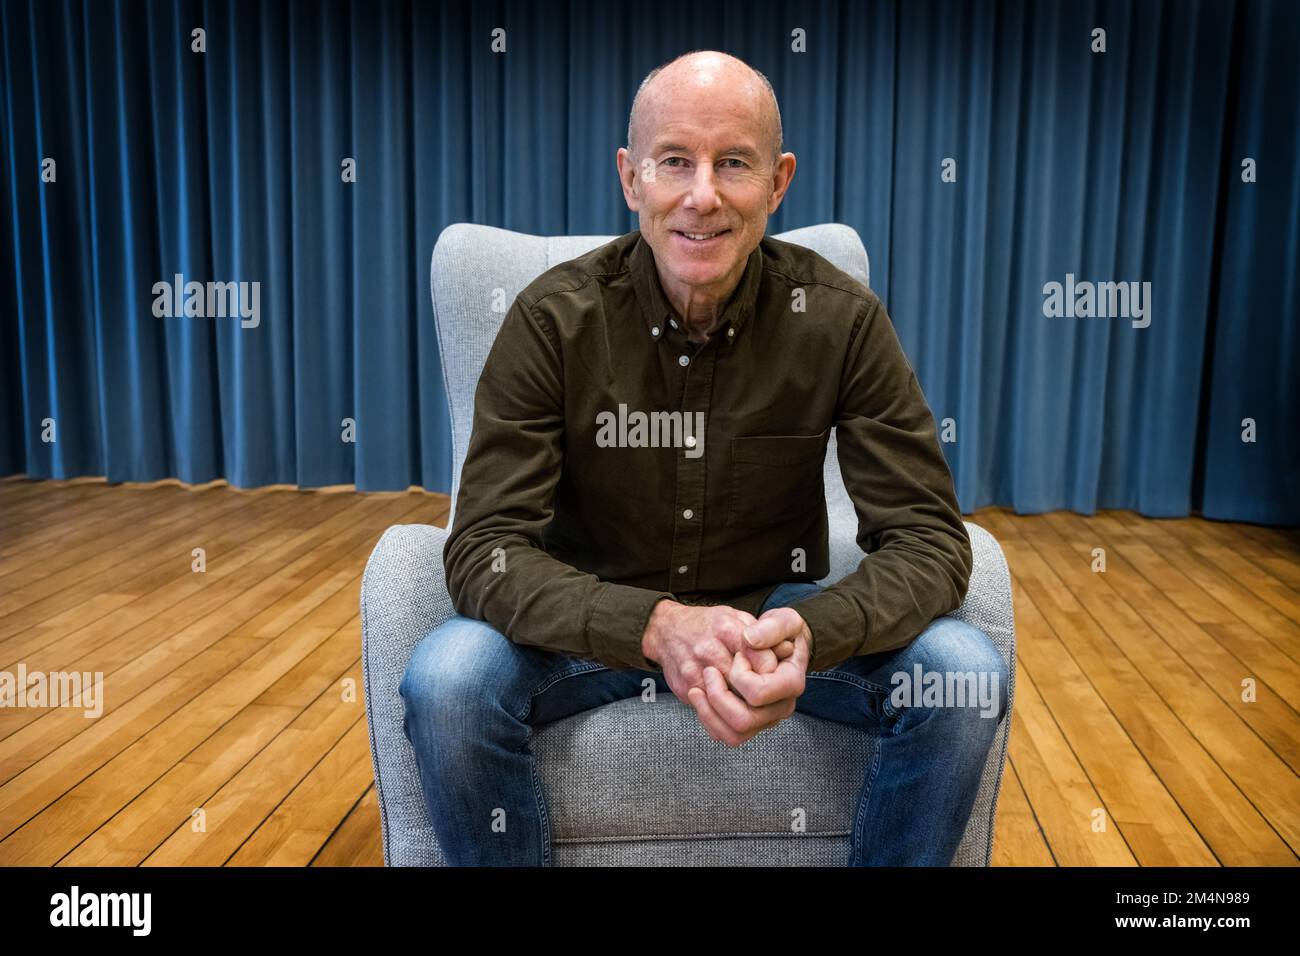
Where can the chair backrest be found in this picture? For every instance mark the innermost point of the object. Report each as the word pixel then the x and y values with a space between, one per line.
pixel 471 263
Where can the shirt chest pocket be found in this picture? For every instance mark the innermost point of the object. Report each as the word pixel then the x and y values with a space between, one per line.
pixel 775 478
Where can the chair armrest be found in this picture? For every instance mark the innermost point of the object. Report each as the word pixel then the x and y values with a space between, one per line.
pixel 404 591
pixel 987 604
pixel 403 597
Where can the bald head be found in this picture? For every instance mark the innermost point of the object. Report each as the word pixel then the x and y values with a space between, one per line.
pixel 702 70
pixel 703 170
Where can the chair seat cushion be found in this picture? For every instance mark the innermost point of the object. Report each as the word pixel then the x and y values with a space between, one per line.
pixel 634 770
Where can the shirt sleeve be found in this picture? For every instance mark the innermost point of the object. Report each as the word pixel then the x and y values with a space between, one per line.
pixel 497 570
pixel 918 554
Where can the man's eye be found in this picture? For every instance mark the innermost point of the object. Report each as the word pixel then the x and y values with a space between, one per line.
pixel 740 163
pixel 673 159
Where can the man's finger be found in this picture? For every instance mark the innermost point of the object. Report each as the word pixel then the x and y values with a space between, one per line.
pixel 714 724
pixel 786 681
pixel 764 661
pixel 772 628
pixel 740 717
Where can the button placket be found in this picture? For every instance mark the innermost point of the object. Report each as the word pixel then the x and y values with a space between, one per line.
pixel 688 526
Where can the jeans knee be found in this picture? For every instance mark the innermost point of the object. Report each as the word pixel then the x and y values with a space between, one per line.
pixel 961 668
pixel 449 680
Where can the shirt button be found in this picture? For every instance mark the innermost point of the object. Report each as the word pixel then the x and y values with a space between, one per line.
pixel 690 441
pixel 673 323
pixel 683 361
pixel 731 333
pixel 688 514
pixel 682 569
pixel 655 330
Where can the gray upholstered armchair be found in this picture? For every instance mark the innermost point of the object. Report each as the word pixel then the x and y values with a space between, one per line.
pixel 627 783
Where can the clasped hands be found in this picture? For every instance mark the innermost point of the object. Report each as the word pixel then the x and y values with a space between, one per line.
pixel 741 674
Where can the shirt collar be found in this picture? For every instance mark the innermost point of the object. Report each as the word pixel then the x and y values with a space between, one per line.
pixel 657 311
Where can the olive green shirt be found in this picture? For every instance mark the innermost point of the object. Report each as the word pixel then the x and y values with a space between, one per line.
pixel 613 463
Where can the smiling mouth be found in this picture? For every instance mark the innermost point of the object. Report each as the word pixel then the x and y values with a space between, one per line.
pixel 701 236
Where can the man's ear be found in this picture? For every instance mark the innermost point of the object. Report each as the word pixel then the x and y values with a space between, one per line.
pixel 627 178
pixel 781 177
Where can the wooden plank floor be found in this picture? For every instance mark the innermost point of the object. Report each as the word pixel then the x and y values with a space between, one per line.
pixel 234 730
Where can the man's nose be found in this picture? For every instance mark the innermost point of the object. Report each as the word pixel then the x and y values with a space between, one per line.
pixel 703 193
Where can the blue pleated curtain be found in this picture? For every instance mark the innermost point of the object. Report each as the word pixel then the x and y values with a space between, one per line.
pixel 225 165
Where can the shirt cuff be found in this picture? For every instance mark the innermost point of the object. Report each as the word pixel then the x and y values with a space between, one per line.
pixel 617 625
pixel 838 629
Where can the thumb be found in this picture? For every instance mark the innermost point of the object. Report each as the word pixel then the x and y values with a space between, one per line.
pixel 769 631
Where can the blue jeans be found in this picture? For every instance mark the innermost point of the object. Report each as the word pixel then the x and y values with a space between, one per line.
pixel 472 698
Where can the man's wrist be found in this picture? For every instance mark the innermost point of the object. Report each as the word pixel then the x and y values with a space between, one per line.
pixel 650 639
pixel 808 635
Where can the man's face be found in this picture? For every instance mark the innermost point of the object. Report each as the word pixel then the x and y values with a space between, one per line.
pixel 706 166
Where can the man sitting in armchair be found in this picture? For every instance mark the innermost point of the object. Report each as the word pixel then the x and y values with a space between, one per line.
pixel 642 502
